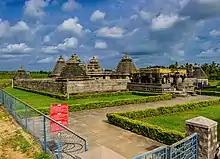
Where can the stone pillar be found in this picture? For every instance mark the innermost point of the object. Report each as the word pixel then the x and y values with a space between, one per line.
pixel 151 78
pixel 207 132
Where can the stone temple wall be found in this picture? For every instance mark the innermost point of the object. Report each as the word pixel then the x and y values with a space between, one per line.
pixel 146 87
pixel 47 85
pixel 98 85
pixel 74 87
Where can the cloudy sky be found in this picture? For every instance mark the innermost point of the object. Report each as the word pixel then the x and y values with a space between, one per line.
pixel 154 32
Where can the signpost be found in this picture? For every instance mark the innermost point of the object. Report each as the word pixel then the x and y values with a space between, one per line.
pixel 58 112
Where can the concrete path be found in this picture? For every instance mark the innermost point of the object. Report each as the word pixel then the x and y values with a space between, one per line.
pixel 92 125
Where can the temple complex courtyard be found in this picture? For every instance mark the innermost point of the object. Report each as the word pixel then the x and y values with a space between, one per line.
pixel 93 125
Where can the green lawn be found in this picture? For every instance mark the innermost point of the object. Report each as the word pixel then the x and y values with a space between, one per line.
pixel 177 121
pixel 41 101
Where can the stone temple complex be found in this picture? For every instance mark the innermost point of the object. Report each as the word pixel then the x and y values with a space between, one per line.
pixel 74 76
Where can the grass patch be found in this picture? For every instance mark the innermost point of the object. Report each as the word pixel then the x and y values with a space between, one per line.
pixel 3 115
pixel 17 142
pixel 177 121
pixel 43 103
pixel 42 156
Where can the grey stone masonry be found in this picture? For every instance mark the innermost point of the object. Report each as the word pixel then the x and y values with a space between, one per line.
pixel 207 132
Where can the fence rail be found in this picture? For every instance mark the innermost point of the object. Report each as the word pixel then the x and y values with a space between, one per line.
pixel 184 149
pixel 63 145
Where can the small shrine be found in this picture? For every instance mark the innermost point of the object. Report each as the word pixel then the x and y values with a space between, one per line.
pixel 21 74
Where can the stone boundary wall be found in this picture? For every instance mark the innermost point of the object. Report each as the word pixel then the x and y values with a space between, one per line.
pixel 98 85
pixel 73 87
pixel 145 87
pixel 47 85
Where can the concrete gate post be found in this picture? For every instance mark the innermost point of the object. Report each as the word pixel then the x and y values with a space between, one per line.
pixel 207 135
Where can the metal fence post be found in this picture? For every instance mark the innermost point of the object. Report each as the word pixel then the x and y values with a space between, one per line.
pixel 197 146
pixel 59 145
pixel 45 135
pixel 26 122
pixel 86 147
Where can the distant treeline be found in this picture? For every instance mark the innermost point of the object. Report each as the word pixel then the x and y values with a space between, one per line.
pixel 34 74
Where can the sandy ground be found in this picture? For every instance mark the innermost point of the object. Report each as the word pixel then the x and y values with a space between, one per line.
pixel 8 129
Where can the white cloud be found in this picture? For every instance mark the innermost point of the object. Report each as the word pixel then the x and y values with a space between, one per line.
pixel 35 8
pixel 114 32
pixel 97 15
pixel 164 21
pixel 50 49
pixel 20 26
pixel 70 5
pixel 145 15
pixel 209 53
pixel 47 38
pixel 132 32
pixel 16 48
pixel 135 16
pixel 69 43
pixel 46 60
pixel 100 45
pixel 215 32
pixel 71 25
pixel 4 28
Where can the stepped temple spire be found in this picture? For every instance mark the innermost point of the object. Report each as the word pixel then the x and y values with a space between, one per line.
pixel 94 65
pixel 21 74
pixel 58 67
pixel 73 68
pixel 126 65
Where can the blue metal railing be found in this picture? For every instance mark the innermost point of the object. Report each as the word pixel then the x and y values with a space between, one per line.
pixel 184 149
pixel 38 124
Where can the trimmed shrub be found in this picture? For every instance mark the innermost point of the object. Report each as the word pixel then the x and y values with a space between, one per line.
pixel 108 94
pixel 129 120
pixel 142 128
pixel 53 95
pixel 209 93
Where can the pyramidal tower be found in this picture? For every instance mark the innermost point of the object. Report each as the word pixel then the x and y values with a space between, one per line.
pixel 58 67
pixel 126 65
pixel 73 68
pixel 21 74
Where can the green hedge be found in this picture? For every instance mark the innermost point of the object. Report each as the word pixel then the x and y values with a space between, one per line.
pixel 129 120
pixel 142 128
pixel 53 95
pixel 108 94
pixel 209 93
pixel 103 104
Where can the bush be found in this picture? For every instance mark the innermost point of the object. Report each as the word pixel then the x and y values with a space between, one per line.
pixel 129 120
pixel 108 94
pixel 53 95
pixel 142 128
pixel 209 93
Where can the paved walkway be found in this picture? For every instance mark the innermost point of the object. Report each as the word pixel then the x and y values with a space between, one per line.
pixel 92 125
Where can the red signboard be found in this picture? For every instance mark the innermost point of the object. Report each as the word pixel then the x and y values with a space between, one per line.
pixel 58 112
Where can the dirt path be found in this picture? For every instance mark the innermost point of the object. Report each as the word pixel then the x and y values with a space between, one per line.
pixel 92 125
